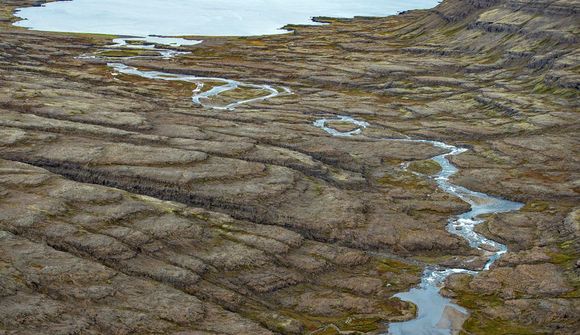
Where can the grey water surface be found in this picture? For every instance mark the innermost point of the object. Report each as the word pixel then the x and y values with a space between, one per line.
pixel 199 17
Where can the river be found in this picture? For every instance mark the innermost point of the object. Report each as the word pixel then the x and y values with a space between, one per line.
pixel 437 315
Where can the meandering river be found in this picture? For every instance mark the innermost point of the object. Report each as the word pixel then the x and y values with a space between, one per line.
pixel 437 315
pixel 435 312
pixel 199 17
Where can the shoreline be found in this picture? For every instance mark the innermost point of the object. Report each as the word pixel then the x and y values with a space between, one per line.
pixel 286 28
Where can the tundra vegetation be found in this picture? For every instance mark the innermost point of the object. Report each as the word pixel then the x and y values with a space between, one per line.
pixel 126 209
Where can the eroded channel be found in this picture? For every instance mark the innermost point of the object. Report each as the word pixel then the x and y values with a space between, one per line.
pixel 436 314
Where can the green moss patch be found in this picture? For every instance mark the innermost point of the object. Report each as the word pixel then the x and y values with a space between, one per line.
pixel 398 308
pixel 486 326
pixel 478 322
pixel 536 206
pixel 360 324
pixel 404 180
pixel 394 266
pixel 326 331
pixel 427 167
pixel 566 257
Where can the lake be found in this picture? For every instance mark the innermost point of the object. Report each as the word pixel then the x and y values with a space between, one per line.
pixel 199 17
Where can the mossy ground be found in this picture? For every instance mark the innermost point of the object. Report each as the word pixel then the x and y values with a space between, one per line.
pixel 536 206
pixel 360 324
pixel 388 309
pixel 566 255
pixel 480 323
pixel 426 167
pixel 477 324
pixel 404 179
pixel 394 266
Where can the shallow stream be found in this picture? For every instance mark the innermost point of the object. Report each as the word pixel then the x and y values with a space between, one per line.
pixel 438 315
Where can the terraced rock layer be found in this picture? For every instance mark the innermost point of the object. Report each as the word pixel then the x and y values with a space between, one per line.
pixel 126 209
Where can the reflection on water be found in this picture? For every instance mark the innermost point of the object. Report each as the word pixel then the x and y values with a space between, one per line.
pixel 199 17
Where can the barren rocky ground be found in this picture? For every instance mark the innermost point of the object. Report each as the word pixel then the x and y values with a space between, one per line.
pixel 125 209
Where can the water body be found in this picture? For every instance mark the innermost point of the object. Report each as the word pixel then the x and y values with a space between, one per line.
pixel 199 17
pixel 438 315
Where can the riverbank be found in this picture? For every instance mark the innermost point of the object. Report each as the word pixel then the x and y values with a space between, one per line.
pixel 322 230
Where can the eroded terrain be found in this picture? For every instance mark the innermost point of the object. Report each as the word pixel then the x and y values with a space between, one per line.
pixel 125 208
